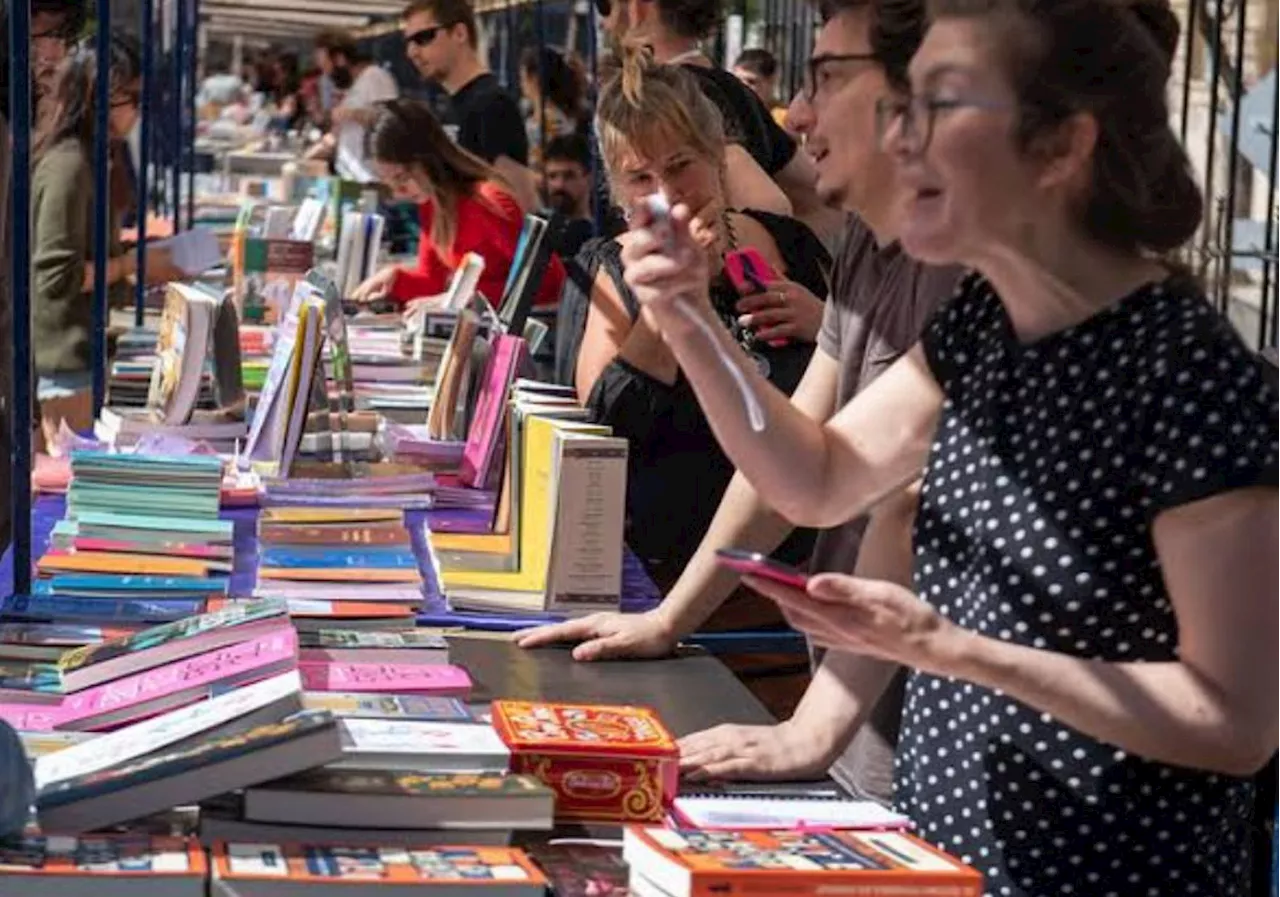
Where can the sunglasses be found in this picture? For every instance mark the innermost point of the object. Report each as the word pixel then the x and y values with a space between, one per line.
pixel 425 36
pixel 604 7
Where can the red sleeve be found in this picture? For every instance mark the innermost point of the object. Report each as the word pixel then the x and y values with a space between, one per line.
pixel 433 272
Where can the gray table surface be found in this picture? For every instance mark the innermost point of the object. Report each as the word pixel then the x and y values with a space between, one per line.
pixel 690 692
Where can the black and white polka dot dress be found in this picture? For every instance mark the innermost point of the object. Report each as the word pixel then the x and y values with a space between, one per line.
pixel 1049 464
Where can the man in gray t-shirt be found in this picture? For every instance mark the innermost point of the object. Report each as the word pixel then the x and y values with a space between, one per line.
pixel 878 304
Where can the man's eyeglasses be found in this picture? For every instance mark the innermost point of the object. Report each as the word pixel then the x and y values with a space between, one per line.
pixel 919 114
pixel 818 72
pixel 425 36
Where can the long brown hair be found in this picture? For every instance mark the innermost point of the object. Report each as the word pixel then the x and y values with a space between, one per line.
pixel 68 110
pixel 406 132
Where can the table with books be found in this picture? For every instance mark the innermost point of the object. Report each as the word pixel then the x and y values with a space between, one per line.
pixel 247 691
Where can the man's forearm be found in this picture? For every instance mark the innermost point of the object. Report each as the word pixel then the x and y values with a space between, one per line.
pixel 840 698
pixel 742 521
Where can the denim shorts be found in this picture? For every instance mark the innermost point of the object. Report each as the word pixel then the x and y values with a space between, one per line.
pixel 63 384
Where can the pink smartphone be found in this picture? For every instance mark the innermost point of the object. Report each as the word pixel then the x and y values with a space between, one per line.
pixel 753 563
pixel 751 273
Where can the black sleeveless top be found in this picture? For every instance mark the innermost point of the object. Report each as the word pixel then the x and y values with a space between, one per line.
pixel 677 472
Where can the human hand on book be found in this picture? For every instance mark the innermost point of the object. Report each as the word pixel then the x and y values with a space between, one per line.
pixel 787 750
pixel 376 287
pixel 605 636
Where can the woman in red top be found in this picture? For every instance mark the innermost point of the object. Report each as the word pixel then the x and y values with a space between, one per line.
pixel 462 205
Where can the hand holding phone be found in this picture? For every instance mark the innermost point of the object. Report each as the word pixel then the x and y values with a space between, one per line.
pixel 753 563
pixel 751 273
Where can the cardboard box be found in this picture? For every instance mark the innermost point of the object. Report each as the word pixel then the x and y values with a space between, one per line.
pixel 605 764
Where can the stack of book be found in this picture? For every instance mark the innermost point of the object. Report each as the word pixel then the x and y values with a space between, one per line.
pixel 196 355
pixel 360 560
pixel 141 543
pixel 556 539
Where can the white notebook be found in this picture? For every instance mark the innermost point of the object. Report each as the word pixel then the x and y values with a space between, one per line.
pixel 728 812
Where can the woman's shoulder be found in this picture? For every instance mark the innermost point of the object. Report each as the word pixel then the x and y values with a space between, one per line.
pixel 66 158
pixel 497 196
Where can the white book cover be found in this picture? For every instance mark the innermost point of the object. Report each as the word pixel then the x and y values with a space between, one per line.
pixel 152 735
pixel 455 747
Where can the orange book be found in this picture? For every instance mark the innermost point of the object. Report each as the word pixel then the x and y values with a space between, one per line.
pixel 338 574
pixel 606 764
pixel 58 561
pixel 686 863
pixel 117 864
pixel 304 515
pixel 260 869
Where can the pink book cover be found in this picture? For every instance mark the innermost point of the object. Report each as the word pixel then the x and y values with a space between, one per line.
pixel 204 671
pixel 486 424
pixel 438 680
pixel 31 717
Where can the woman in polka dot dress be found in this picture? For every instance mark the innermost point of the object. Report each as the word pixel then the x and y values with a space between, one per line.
pixel 1093 634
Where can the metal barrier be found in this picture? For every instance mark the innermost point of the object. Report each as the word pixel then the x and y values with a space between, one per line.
pixel 1225 113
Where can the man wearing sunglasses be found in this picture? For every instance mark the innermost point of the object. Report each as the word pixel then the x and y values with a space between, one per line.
pixel 442 41
pixel 764 169
pixel 847 721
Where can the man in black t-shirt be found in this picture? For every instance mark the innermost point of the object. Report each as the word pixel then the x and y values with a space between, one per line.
pixel 442 41
pixel 567 162
pixel 764 170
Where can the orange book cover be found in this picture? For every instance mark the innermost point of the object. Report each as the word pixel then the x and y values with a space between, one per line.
pixel 97 857
pixel 338 574
pixel 605 763
pixel 330 515
pixel 686 863
pixel 58 561
pixel 492 870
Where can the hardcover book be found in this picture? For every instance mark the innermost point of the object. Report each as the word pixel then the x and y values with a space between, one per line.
pixel 688 863
pixel 391 799
pixel 421 746
pixel 90 665
pixel 133 865
pixel 210 768
pixel 154 691
pixel 276 698
pixel 259 870
pixel 605 763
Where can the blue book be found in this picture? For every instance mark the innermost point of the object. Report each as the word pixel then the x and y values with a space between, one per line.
pixel 129 583
pixel 329 558
pixel 67 610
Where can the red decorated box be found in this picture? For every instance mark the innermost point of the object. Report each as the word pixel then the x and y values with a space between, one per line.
pixel 605 764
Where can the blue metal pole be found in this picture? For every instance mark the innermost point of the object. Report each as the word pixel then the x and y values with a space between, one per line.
pixel 102 203
pixel 20 279
pixel 193 86
pixel 144 160
pixel 178 79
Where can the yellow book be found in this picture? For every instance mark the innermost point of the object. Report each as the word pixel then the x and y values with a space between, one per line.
pixel 537 507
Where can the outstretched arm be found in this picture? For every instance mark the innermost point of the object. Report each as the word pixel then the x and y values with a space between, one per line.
pixel 813 474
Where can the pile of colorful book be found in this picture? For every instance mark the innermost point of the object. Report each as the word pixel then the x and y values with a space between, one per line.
pixel 354 565
pixel 141 543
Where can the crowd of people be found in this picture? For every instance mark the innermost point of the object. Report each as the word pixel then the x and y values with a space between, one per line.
pixel 1032 469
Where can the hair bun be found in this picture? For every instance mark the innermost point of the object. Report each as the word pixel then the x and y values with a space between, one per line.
pixel 1158 19
pixel 635 59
